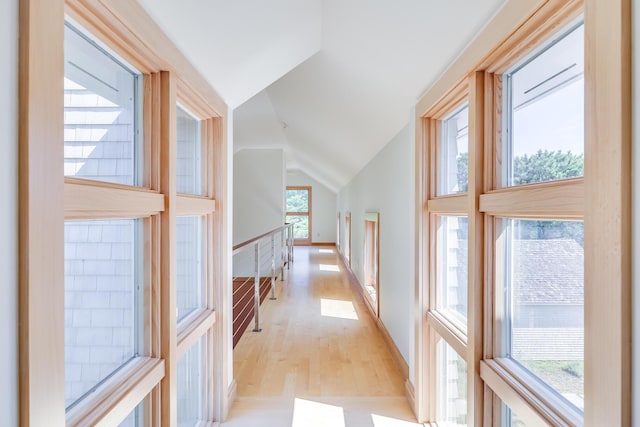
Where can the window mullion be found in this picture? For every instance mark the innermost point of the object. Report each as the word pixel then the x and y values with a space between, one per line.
pixel 475 262
pixel 168 264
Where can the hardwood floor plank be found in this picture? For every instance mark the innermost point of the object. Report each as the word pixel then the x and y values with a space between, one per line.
pixel 317 338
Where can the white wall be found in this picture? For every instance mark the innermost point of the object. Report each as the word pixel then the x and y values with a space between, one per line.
pixel 258 192
pixel 386 185
pixel 323 206
pixel 8 212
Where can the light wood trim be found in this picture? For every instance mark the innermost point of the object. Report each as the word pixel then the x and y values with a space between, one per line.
pixel 93 199
pixel 41 210
pixel 449 332
pixel 421 289
pixel 410 394
pixel 152 130
pixel 220 266
pixel 192 100
pixel 608 215
pixel 449 205
pixel 129 30
pixel 552 17
pixel 493 132
pixel 194 328
pixel 475 245
pixel 152 313
pixel 501 383
pixel 152 149
pixel 194 205
pixel 168 266
pixel 323 244
pixel 517 28
pixel 561 199
pixel 450 102
pixel 120 394
pixel 501 26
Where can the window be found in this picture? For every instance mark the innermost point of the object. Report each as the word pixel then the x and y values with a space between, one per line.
pixel 509 255
pixel 452 273
pixel 298 201
pixel 113 255
pixel 452 387
pixel 544 281
pixel 372 259
pixel 544 124
pixel 454 150
pixel 539 263
pixel 102 301
pixel 191 385
pixel 101 113
pixel 189 146
pixel 191 280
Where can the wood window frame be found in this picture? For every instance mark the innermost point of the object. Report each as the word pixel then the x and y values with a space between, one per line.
pixel 308 214
pixel 371 252
pixel 519 27
pixel 47 199
pixel 347 239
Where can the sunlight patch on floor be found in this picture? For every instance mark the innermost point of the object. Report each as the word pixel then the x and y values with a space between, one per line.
pixel 313 414
pixel 381 421
pixel 338 308
pixel 326 251
pixel 329 267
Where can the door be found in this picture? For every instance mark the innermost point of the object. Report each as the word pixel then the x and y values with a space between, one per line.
pixel 299 213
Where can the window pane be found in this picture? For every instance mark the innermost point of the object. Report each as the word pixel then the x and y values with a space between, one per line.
pixel 190 286
pixel 452 267
pixel 453 386
pixel 545 119
pixel 297 200
pixel 453 163
pixel 100 114
pixel 101 301
pixel 135 418
pixel 191 377
pixel 189 146
pixel 300 226
pixel 545 284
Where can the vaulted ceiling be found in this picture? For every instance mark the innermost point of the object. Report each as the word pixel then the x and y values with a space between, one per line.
pixel 329 81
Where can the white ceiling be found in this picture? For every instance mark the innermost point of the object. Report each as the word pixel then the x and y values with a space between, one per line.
pixel 329 81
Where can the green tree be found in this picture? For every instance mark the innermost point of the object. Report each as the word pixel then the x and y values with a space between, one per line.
pixel 546 166
pixel 463 172
pixel 297 200
pixel 539 167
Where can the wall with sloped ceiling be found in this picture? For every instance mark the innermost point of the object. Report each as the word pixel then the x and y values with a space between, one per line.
pixel 387 185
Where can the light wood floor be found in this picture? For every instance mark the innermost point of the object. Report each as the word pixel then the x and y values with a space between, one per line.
pixel 319 349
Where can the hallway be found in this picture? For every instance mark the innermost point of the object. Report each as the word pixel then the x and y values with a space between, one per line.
pixel 320 359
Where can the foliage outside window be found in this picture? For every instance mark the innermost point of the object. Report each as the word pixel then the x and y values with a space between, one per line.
pixel 545 113
pixel 453 162
pixel 298 212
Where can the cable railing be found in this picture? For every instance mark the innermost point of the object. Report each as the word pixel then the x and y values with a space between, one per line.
pixel 257 263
